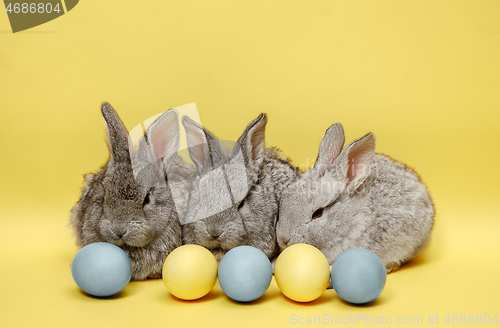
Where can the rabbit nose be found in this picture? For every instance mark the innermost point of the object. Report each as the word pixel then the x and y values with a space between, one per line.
pixel 284 241
pixel 119 232
pixel 213 232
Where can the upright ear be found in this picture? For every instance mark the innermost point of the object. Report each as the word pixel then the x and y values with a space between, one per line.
pixel 163 135
pixel 116 134
pixel 330 148
pixel 356 161
pixel 198 140
pixel 252 141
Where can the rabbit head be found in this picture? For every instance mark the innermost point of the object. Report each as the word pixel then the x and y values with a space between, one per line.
pixel 128 202
pixel 230 204
pixel 309 206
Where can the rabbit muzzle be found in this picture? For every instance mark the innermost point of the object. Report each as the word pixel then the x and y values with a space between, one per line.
pixel 133 233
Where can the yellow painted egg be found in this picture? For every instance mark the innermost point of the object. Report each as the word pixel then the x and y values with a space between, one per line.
pixel 190 272
pixel 302 272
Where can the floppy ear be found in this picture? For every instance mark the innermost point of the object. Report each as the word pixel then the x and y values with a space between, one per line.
pixel 116 134
pixel 198 140
pixel 163 135
pixel 356 161
pixel 252 141
pixel 330 148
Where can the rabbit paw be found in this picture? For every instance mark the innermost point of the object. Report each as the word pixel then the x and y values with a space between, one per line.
pixel 391 267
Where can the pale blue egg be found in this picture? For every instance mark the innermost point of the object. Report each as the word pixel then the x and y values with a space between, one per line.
pixel 358 276
pixel 245 273
pixel 101 269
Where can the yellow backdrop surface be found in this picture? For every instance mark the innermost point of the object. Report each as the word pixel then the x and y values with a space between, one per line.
pixel 424 76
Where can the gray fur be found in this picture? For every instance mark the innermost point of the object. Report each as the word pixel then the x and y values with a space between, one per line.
pixel 128 202
pixel 251 219
pixel 367 200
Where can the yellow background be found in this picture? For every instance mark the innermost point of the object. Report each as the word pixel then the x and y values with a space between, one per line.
pixel 424 76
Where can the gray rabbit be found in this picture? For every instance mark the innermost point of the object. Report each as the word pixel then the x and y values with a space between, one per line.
pixel 128 202
pixel 234 200
pixel 356 198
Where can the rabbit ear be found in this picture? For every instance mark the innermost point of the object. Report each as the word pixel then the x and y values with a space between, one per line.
pixel 198 140
pixel 330 148
pixel 356 161
pixel 252 141
pixel 117 135
pixel 163 135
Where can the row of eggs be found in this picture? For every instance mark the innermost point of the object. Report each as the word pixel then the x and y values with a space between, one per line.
pixel 301 271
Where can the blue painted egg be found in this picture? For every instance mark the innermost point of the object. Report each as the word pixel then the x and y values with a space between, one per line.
pixel 245 273
pixel 101 269
pixel 358 276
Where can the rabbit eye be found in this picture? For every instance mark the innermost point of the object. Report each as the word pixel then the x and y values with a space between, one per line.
pixel 317 214
pixel 240 205
pixel 146 200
